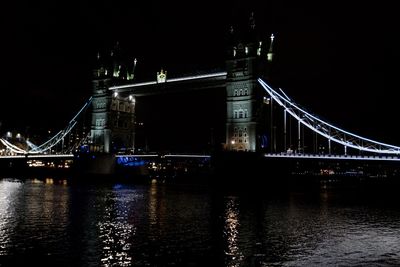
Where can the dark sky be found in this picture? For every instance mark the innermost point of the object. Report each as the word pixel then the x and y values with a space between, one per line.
pixel 339 60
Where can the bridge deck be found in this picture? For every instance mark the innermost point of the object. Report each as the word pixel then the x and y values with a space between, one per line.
pixel 330 157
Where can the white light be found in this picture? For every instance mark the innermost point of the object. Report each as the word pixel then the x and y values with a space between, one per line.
pixel 115 94
pixel 188 156
pixel 212 75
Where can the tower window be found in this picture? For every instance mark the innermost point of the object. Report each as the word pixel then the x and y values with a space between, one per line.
pixel 113 105
pixel 100 122
pixel 246 92
pixel 235 114
pixel 121 107
pixel 236 93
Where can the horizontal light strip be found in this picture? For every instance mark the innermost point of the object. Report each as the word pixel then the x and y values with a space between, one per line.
pixel 187 156
pixel 188 78
pixel 137 156
pixel 332 157
pixel 37 156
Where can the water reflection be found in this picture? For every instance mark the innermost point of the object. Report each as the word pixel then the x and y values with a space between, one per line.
pixel 233 254
pixel 115 230
pixel 9 191
pixel 157 225
pixel 30 212
pixel 153 203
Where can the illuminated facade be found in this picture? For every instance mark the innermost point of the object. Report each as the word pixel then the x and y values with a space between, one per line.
pixel 113 115
pixel 247 61
pixel 248 58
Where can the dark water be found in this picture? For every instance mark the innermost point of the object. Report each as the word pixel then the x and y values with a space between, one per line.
pixel 57 224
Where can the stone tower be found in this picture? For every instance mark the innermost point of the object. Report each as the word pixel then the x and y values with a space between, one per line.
pixel 247 60
pixel 113 124
pixel 100 132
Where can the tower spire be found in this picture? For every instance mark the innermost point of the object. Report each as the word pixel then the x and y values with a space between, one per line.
pixel 130 75
pixel 270 54
pixel 252 21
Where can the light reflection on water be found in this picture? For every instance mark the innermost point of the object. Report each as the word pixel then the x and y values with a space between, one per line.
pixel 115 229
pixel 8 192
pixel 157 225
pixel 234 257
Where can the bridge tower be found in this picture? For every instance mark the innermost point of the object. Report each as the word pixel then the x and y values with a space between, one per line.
pixel 100 132
pixel 247 60
pixel 113 124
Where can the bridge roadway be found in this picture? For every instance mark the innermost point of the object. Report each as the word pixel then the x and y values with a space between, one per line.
pixel 331 157
pixel 176 85
pixel 39 156
pixel 267 155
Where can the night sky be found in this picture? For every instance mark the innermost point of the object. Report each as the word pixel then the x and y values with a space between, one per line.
pixel 338 60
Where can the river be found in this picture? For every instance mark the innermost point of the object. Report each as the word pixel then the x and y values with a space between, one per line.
pixel 51 222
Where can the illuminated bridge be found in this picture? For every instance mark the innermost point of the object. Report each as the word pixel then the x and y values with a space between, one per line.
pixel 365 148
pixel 257 117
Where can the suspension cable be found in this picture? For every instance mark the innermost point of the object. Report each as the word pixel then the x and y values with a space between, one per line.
pixel 328 130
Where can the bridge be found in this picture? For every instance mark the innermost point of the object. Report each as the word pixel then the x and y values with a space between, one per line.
pixel 259 117
pixel 327 132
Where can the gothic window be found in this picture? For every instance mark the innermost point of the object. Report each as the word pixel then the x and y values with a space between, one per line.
pixel 236 93
pixel 240 133
pixel 246 114
pixel 241 114
pixel 241 92
pixel 113 105
pixel 121 107
pixel 246 92
pixel 235 114
pixel 100 122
